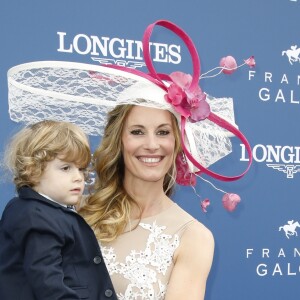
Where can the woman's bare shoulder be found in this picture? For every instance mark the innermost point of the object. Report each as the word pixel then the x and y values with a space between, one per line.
pixel 198 232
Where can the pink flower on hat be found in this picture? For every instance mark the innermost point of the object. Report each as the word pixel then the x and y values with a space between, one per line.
pixel 183 174
pixel 191 104
pixel 228 64
pixel 230 201
pixel 250 61
pixel 204 204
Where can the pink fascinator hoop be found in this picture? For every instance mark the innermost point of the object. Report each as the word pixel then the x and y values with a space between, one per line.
pixel 85 93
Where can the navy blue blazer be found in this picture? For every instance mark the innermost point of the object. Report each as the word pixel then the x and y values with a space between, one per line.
pixel 49 252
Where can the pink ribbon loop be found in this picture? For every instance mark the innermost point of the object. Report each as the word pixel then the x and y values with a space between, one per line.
pixel 186 39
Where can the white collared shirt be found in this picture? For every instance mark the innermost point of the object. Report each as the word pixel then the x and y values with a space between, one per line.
pixel 72 207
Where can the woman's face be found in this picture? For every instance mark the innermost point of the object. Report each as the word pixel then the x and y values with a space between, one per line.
pixel 148 144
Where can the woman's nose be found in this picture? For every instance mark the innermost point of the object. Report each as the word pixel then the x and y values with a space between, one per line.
pixel 152 142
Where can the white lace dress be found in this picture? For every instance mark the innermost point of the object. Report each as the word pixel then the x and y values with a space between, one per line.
pixel 140 261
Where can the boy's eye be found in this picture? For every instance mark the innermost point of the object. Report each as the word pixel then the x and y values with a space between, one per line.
pixel 65 168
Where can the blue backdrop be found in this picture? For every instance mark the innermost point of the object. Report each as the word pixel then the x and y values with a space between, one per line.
pixel 254 257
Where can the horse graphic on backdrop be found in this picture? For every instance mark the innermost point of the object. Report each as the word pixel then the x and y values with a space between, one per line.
pixel 290 228
pixel 292 54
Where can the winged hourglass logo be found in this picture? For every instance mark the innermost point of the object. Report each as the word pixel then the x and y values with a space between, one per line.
pixel 289 170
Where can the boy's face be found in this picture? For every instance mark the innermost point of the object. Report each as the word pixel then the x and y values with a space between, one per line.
pixel 62 181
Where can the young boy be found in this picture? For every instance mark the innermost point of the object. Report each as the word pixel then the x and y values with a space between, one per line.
pixel 47 250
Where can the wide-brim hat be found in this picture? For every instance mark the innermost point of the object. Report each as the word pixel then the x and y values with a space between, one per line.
pixel 85 93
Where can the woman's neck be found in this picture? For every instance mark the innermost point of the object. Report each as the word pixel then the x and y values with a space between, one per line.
pixel 149 197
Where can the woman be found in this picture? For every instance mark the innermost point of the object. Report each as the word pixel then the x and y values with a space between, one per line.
pixel 161 129
pixel 153 249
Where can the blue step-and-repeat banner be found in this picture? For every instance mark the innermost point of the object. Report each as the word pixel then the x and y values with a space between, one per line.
pixel 257 255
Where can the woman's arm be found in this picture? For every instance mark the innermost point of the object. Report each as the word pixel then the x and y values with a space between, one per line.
pixel 193 260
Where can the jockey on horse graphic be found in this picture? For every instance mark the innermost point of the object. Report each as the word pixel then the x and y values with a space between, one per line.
pixel 292 54
pixel 290 228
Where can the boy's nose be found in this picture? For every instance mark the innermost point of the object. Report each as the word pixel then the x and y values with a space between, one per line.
pixel 78 175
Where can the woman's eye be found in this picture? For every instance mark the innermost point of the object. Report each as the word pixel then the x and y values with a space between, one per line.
pixel 136 132
pixel 163 132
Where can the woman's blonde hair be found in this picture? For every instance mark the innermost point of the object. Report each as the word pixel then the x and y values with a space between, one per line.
pixel 32 147
pixel 107 209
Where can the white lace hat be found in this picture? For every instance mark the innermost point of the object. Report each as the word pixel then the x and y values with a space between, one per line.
pixel 84 93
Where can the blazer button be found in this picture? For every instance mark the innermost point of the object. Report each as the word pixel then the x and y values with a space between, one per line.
pixel 108 293
pixel 97 260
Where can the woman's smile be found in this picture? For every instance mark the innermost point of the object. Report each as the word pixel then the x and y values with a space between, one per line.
pixel 150 160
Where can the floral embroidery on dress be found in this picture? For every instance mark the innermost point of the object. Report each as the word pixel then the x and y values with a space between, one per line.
pixel 140 268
